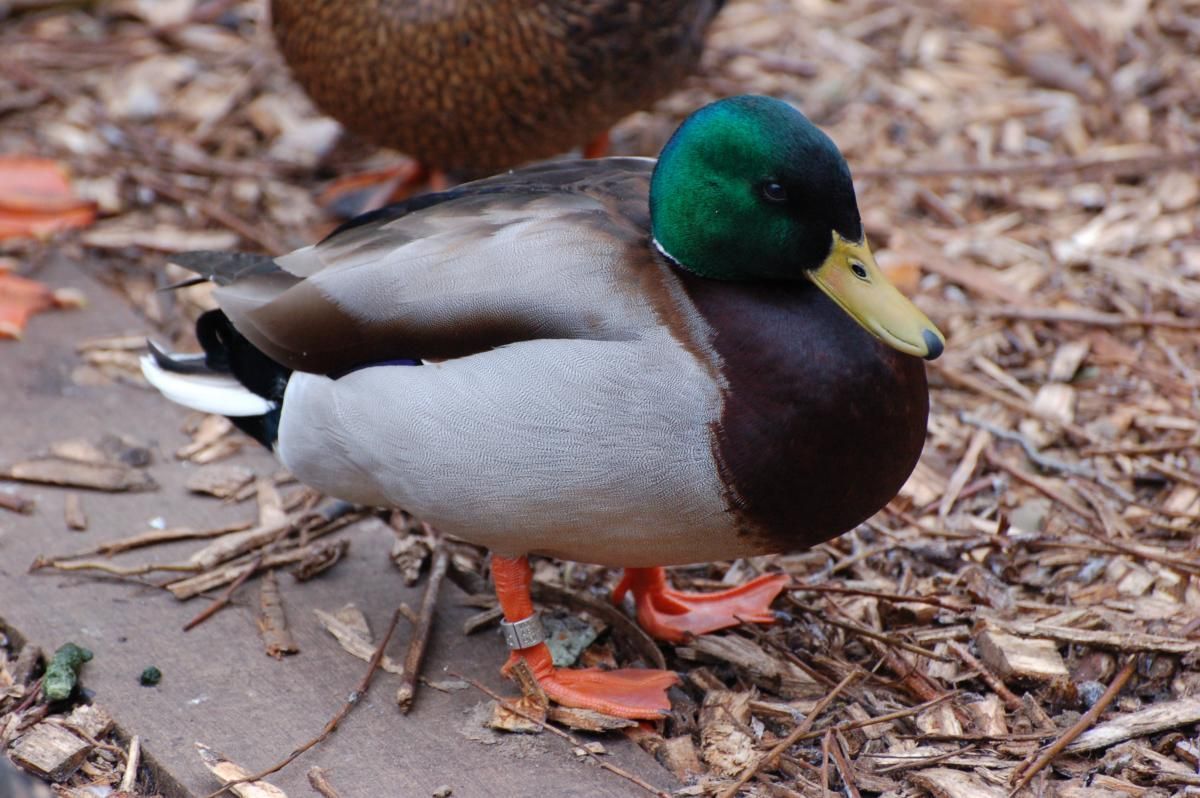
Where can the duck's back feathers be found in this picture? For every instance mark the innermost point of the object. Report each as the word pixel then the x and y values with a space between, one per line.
pixel 550 252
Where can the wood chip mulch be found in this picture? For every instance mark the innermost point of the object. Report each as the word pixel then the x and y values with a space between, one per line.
pixel 1023 616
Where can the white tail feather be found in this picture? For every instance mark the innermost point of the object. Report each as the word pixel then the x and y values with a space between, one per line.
pixel 208 393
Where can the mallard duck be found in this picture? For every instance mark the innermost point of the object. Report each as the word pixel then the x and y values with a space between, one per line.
pixel 478 87
pixel 616 361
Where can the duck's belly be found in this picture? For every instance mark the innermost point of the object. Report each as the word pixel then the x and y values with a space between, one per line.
pixel 585 450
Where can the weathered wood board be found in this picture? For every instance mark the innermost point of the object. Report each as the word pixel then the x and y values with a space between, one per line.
pixel 218 687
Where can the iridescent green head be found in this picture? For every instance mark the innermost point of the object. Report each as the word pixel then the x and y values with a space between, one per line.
pixel 748 189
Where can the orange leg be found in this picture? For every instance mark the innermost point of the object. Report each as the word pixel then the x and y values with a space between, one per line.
pixel 597 147
pixel 21 298
pixel 674 615
pixel 351 195
pixel 628 693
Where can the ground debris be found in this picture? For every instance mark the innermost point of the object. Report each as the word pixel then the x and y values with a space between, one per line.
pixel 50 752
pixel 228 771
pixel 1026 173
pixel 272 621
pixel 109 477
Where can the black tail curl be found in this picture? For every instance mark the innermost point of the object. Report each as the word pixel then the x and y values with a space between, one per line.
pixel 227 351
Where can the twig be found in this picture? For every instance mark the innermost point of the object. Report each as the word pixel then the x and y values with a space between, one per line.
pixel 1139 448
pixel 880 637
pixel 1028 769
pixel 320 783
pixel 351 701
pixel 921 761
pixel 1048 463
pixel 223 600
pixel 1089 317
pixel 16 503
pixel 572 739
pixel 116 570
pixel 802 729
pixel 1126 642
pixel 1136 164
pixel 1041 485
pixel 825 762
pixel 267 241
pixel 1024 408
pixel 843 765
pixel 132 759
pixel 420 635
pixel 1011 702
pixel 272 621
pixel 891 597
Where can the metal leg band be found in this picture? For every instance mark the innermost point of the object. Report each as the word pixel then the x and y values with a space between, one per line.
pixel 525 632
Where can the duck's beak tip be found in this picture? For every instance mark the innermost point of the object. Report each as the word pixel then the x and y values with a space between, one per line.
pixel 933 344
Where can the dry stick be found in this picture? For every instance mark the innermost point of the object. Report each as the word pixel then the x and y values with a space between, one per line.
pixel 320 782
pixel 1046 462
pixel 1011 702
pixel 825 763
pixel 1089 317
pixel 843 765
pixel 964 380
pixel 1085 721
pixel 880 637
pixel 330 727
pixel 924 761
pixel 1136 163
pixel 512 707
pixel 1041 485
pixel 420 636
pixel 801 729
pixel 891 597
pixel 115 570
pixel 156 537
pixel 1138 448
pixel 131 765
pixel 223 600
pixel 269 243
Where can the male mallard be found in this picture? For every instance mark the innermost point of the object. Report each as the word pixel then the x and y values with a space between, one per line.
pixel 479 87
pixel 610 361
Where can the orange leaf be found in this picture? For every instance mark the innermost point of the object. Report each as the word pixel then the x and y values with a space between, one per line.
pixel 36 198
pixel 21 298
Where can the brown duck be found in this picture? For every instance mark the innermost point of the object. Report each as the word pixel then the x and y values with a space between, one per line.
pixel 476 87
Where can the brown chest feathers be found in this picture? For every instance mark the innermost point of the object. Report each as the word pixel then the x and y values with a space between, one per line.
pixel 821 423
pixel 477 86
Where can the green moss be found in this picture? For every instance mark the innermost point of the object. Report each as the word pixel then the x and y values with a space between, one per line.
pixel 63 671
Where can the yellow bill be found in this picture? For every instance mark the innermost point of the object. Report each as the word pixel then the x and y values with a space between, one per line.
pixel 851 278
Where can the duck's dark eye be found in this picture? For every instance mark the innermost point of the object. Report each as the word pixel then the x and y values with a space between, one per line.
pixel 859 270
pixel 774 192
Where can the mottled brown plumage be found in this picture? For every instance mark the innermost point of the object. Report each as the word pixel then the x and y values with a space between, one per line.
pixel 476 86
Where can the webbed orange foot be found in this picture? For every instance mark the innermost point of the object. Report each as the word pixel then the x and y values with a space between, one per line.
pixel 351 195
pixel 626 693
pixel 673 615
pixel 634 693
pixel 597 147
